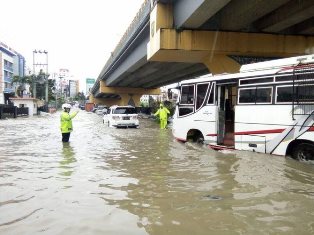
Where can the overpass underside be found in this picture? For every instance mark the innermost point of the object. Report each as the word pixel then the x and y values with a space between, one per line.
pixel 171 47
pixel 216 49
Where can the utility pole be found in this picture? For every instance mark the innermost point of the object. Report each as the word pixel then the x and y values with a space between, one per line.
pixel 41 64
pixel 34 76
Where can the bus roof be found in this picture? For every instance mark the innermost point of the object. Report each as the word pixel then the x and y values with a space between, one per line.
pixel 278 64
pixel 257 69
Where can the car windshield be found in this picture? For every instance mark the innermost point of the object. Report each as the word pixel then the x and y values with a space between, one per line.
pixel 125 110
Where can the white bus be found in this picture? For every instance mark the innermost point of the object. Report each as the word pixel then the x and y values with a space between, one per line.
pixel 267 107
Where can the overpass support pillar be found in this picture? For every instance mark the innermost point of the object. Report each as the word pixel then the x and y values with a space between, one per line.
pixel 126 95
pixel 218 64
pixel 131 99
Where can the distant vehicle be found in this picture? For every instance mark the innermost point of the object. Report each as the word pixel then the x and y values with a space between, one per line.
pixel 121 116
pixel 82 106
pixel 101 109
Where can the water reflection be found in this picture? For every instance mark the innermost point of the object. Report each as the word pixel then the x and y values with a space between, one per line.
pixel 68 157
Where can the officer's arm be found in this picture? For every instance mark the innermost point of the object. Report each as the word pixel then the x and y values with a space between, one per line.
pixel 72 115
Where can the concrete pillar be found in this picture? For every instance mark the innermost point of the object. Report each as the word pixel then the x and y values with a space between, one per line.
pixel 131 99
pixel 127 95
pixel 218 64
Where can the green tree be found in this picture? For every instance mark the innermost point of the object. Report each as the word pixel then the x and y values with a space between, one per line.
pixel 80 97
pixel 20 83
pixel 40 80
pixel 51 90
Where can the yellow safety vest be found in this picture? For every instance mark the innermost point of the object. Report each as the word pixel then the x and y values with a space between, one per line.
pixel 163 113
pixel 66 121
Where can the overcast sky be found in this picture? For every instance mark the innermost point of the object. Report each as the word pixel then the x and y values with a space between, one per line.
pixel 78 34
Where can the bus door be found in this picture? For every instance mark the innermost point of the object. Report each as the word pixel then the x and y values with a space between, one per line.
pixel 227 94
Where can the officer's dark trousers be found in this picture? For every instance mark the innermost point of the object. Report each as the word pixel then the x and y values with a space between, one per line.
pixel 65 137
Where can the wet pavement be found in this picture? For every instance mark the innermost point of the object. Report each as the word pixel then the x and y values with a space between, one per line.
pixel 142 181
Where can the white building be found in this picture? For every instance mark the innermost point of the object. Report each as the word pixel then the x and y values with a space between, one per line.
pixel 73 88
pixel 145 99
pixel 30 103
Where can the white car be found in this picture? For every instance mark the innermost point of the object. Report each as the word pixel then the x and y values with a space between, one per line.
pixel 101 110
pixel 121 116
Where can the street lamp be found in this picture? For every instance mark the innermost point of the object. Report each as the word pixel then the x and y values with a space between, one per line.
pixel 41 64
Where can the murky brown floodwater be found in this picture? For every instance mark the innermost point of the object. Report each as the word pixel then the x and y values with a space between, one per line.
pixel 141 181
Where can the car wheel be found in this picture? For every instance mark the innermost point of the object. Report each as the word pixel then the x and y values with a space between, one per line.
pixel 303 152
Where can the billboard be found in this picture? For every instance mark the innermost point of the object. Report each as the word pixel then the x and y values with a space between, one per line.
pixel 89 84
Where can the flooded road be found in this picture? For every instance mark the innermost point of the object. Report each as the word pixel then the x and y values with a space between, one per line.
pixel 141 181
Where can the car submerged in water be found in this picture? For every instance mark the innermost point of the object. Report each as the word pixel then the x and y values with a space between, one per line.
pixel 101 109
pixel 121 116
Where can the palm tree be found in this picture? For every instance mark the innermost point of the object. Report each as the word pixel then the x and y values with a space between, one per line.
pixel 20 83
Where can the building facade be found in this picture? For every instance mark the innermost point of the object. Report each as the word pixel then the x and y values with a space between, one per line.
pixel 11 64
pixel 73 88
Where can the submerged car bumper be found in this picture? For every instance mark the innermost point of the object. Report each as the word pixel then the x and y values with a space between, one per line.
pixel 125 125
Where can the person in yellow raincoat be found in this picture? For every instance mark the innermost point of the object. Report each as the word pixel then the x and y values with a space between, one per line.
pixel 66 122
pixel 163 116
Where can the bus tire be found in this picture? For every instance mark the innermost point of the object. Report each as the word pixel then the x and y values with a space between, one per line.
pixel 199 139
pixel 303 152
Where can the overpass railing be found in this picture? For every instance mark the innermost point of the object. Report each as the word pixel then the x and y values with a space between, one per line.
pixel 136 25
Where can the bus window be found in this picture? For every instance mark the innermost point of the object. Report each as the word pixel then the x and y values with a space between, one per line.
pixel 263 95
pixel 305 93
pixel 284 78
pixel 185 110
pixel 247 96
pixel 201 90
pixel 284 94
pixel 212 94
pixel 302 94
pixel 187 94
pixel 255 95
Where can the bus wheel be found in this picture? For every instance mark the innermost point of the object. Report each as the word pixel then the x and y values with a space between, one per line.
pixel 303 152
pixel 199 139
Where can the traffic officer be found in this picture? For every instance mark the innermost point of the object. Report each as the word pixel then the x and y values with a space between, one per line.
pixel 163 116
pixel 66 122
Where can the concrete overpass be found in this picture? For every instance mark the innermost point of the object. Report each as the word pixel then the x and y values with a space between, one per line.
pixel 172 40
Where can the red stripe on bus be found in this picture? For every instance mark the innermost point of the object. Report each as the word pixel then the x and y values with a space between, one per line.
pixel 273 131
pixel 259 132
pixel 211 134
pixel 254 132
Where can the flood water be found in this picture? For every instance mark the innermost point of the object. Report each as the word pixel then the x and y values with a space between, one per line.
pixel 141 181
